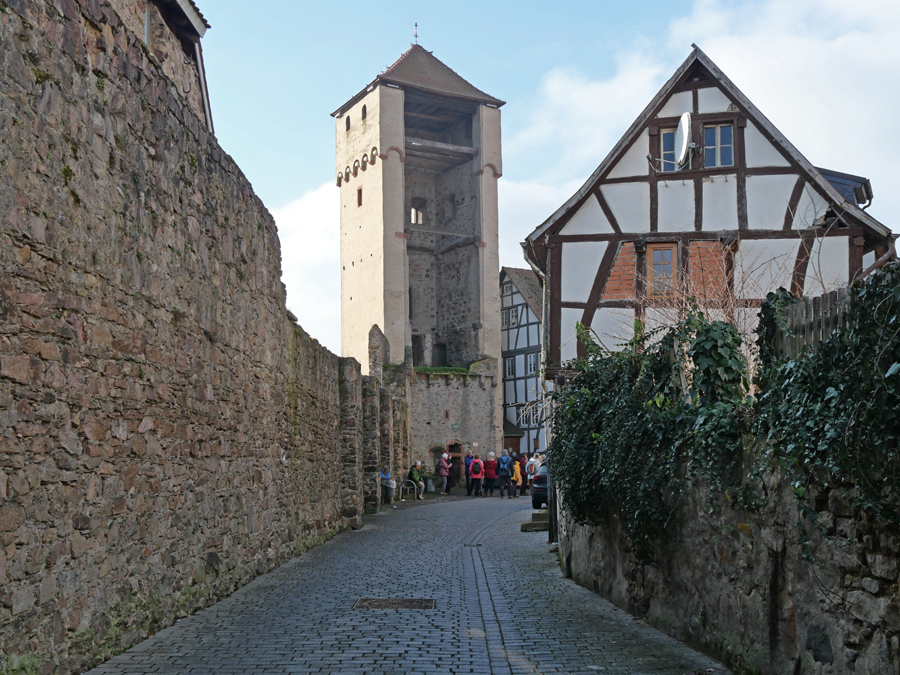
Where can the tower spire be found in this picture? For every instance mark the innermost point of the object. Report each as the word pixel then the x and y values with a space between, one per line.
pixel 416 32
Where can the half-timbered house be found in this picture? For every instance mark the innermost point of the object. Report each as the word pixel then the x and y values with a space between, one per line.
pixel 715 205
pixel 521 340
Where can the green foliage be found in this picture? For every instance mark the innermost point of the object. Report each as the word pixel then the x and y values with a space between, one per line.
pixel 41 76
pixel 442 370
pixel 67 174
pixel 635 426
pixel 634 423
pixel 22 665
pixel 832 418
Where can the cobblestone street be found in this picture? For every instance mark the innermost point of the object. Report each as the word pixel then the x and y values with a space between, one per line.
pixel 502 606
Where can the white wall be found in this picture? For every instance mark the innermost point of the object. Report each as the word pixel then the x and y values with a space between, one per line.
pixel 767 200
pixel 720 202
pixel 580 261
pixel 711 99
pixel 676 205
pixel 763 265
pixel 630 204
pixel 758 150
pixel 634 161
pixel 589 219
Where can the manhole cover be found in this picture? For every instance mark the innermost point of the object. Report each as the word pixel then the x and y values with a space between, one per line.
pixel 394 603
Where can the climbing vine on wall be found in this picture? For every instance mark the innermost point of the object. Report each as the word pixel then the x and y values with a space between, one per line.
pixel 635 425
pixel 832 418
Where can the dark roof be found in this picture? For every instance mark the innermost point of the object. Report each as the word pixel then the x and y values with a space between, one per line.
pixel 178 7
pixel 845 183
pixel 529 286
pixel 417 67
pixel 199 13
pixel 511 430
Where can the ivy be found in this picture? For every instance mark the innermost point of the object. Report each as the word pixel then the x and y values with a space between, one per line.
pixel 635 423
pixel 635 426
pixel 832 418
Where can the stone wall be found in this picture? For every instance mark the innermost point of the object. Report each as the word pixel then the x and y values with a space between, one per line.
pixel 739 585
pixel 459 408
pixel 167 432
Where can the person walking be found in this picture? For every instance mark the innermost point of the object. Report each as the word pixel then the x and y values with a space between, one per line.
pixel 415 475
pixel 444 468
pixel 490 475
pixel 516 477
pixel 476 468
pixel 469 459
pixel 505 472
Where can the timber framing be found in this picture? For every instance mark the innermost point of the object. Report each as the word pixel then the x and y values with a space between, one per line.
pixel 778 205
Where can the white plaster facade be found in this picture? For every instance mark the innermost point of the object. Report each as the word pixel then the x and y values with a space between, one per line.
pixel 745 214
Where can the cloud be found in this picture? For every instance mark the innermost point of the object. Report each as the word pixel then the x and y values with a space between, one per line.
pixel 309 229
pixel 523 205
pixel 823 71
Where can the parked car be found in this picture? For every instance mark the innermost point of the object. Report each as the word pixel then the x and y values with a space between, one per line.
pixel 540 494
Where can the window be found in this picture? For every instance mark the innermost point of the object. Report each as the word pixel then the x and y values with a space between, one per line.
pixel 417 211
pixel 359 196
pixel 507 288
pixel 513 316
pixel 718 145
pixel 511 367
pixel 533 361
pixel 347 123
pixel 364 112
pixel 504 318
pixel 667 146
pixel 660 268
pixel 535 416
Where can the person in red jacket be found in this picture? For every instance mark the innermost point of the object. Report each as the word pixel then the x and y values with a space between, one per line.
pixel 490 475
pixel 476 471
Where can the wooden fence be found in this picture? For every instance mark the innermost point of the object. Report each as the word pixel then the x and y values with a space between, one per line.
pixel 811 321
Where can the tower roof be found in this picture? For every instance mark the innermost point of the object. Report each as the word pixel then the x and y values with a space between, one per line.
pixel 419 68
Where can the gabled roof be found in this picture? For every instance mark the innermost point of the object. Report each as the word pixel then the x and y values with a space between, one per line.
pixel 419 68
pixel 529 286
pixel 697 56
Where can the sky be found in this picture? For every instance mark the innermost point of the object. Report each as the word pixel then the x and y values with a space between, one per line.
pixel 574 76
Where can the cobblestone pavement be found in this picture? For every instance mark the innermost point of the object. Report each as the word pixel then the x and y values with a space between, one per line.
pixel 502 606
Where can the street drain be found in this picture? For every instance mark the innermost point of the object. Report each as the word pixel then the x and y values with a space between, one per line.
pixel 394 603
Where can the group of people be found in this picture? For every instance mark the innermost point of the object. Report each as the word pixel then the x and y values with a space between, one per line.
pixel 511 474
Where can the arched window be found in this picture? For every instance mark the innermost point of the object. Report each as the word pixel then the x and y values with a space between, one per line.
pixel 364 112
pixel 348 122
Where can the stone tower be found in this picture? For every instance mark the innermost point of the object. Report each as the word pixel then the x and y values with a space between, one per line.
pixel 418 157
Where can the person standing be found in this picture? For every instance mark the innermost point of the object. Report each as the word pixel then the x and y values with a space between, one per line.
pixel 444 468
pixel 469 459
pixel 523 484
pixel 516 477
pixel 415 475
pixel 532 467
pixel 476 468
pixel 490 475
pixel 505 472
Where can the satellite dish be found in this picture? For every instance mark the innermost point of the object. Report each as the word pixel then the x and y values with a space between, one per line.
pixel 683 139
